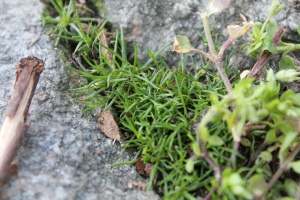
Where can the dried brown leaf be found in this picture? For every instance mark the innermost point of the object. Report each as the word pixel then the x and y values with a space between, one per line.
pixel 140 166
pixel 148 168
pixel 104 41
pixel 108 125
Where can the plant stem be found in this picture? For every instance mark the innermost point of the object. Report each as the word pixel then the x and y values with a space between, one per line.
pixel 281 169
pixel 265 24
pixel 259 65
pixel 236 146
pixel 208 197
pixel 205 155
pixel 290 47
pixel 256 154
pixel 224 76
pixel 210 42
pixel 202 53
pixel 213 53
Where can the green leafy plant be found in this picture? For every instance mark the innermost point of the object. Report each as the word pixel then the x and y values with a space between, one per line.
pixel 262 39
pixel 199 131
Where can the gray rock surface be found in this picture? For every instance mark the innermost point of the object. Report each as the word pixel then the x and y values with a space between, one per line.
pixel 154 23
pixel 61 156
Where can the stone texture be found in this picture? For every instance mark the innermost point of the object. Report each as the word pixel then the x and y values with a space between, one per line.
pixel 63 155
pixel 154 23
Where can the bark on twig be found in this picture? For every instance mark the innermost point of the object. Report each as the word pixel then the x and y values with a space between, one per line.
pixel 261 62
pixel 14 126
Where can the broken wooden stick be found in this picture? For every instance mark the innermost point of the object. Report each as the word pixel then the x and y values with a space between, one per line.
pixel 263 59
pixel 14 126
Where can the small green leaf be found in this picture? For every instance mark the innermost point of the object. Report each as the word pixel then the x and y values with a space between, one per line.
pixel 258 185
pixel 296 99
pixel 237 189
pixel 215 140
pixel 298 29
pixel 296 166
pixel 266 156
pixel 268 45
pixel 246 142
pixel 263 35
pixel 235 179
pixel 204 134
pixel 258 25
pixel 286 127
pixel 286 63
pixel 182 44
pixel 271 136
pixel 256 32
pixel 214 98
pixel 287 141
pixel 272 29
pixel 196 148
pixel 290 187
pixel 257 46
pixel 217 117
pixel 189 166
pixel 242 47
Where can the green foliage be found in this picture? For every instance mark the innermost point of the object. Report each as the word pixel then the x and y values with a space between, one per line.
pixel 286 63
pixel 262 40
pixel 186 129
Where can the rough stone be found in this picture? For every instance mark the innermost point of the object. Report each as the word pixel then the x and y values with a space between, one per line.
pixel 154 23
pixel 59 157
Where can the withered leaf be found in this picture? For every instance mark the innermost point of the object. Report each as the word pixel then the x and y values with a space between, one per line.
pixel 108 125
pixel 148 168
pixel 104 41
pixel 140 166
pixel 139 185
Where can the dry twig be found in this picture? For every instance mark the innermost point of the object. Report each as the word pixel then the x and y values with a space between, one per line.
pixel 14 126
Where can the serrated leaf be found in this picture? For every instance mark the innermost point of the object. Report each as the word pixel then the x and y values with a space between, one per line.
pixel 215 140
pixel 296 166
pixel 286 63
